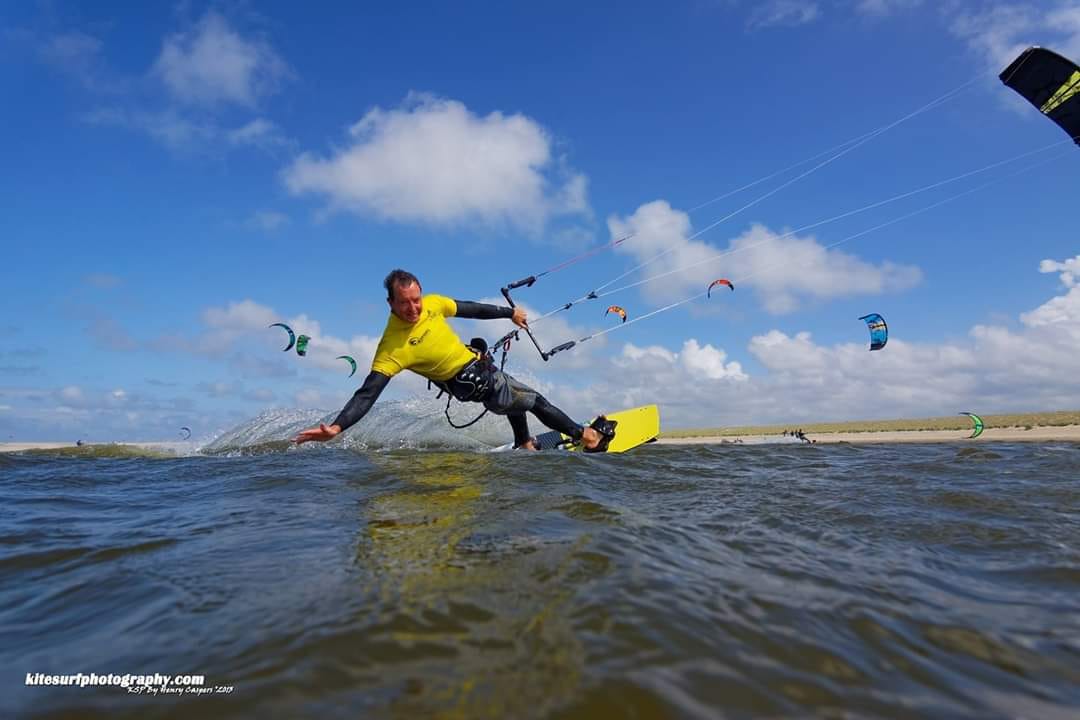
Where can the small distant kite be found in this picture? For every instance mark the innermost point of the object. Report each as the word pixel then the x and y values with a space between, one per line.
pixel 976 424
pixel 351 362
pixel 879 331
pixel 1051 83
pixel 617 310
pixel 292 335
pixel 301 345
pixel 721 281
pixel 185 433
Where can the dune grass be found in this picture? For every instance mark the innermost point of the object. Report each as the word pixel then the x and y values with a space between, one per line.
pixel 953 422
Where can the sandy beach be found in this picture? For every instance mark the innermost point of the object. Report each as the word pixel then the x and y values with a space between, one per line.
pixel 1047 433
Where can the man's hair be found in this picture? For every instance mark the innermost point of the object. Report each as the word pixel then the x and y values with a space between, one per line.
pixel 399 277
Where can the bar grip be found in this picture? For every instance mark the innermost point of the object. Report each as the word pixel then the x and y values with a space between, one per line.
pixel 559 348
pixel 527 282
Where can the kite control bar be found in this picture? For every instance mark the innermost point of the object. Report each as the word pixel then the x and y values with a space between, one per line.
pixel 528 282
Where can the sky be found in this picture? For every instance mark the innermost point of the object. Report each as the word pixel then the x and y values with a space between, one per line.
pixel 177 177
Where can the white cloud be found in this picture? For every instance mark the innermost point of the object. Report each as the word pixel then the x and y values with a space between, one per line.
pixel 695 361
pixel 1062 313
pixel 260 132
pixel 267 220
pixel 262 395
pixel 788 13
pixel 227 326
pixel 1069 269
pixel 109 333
pixel 315 399
pixel 783 269
pixel 998 32
pixel 80 56
pixel 239 316
pixel 709 362
pixel 786 270
pixel 169 127
pixel 434 161
pixel 103 281
pixel 202 73
pixel 885 7
pixel 71 393
pixel 218 389
pixel 213 64
pixel 997 369
pixel 662 239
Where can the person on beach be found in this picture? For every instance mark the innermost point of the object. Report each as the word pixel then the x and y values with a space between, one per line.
pixel 417 337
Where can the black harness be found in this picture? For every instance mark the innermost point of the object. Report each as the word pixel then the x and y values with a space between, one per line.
pixel 474 382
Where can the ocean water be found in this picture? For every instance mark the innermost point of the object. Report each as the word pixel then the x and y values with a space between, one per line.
pixel 411 572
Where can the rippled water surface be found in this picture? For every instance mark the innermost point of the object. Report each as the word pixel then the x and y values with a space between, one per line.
pixel 674 581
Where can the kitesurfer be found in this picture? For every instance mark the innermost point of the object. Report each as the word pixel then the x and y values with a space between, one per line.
pixel 418 338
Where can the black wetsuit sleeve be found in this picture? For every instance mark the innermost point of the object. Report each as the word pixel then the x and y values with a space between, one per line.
pixel 482 311
pixel 362 400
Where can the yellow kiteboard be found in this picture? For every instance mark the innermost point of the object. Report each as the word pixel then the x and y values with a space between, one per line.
pixel 632 427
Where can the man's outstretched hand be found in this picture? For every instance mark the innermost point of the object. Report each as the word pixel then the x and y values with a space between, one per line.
pixel 322 433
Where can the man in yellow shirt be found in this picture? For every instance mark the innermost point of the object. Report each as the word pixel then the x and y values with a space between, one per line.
pixel 418 338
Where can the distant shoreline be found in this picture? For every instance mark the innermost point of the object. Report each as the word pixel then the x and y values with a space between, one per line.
pixel 1066 433
pixel 1048 433
pixel 165 446
pixel 1062 426
pixel 1058 425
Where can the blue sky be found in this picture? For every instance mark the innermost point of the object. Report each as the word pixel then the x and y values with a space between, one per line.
pixel 178 177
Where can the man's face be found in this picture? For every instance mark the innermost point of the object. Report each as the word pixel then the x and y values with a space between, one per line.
pixel 406 302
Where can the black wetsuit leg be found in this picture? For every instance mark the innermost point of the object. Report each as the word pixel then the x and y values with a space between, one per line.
pixel 555 418
pixel 520 425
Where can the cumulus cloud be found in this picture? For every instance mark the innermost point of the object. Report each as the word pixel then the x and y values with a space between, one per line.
pixel 1062 312
pixel 80 56
pixel 881 8
pixel 259 395
pixel 19 370
pixel 71 393
pixel 200 74
pixel 996 369
pixel 212 64
pixel 309 398
pixel 785 270
pixel 1069 269
pixel 226 326
pixel 110 334
pixel 74 411
pixel 695 361
pixel 103 281
pixel 432 160
pixel 260 132
pixel 782 268
pixel 788 13
pixel 998 32
pixel 169 127
pixel 267 220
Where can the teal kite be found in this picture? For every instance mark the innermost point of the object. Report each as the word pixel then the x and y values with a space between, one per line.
pixel 976 424
pixel 292 336
pixel 351 362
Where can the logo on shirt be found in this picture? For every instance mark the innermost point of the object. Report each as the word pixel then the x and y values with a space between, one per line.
pixel 418 340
